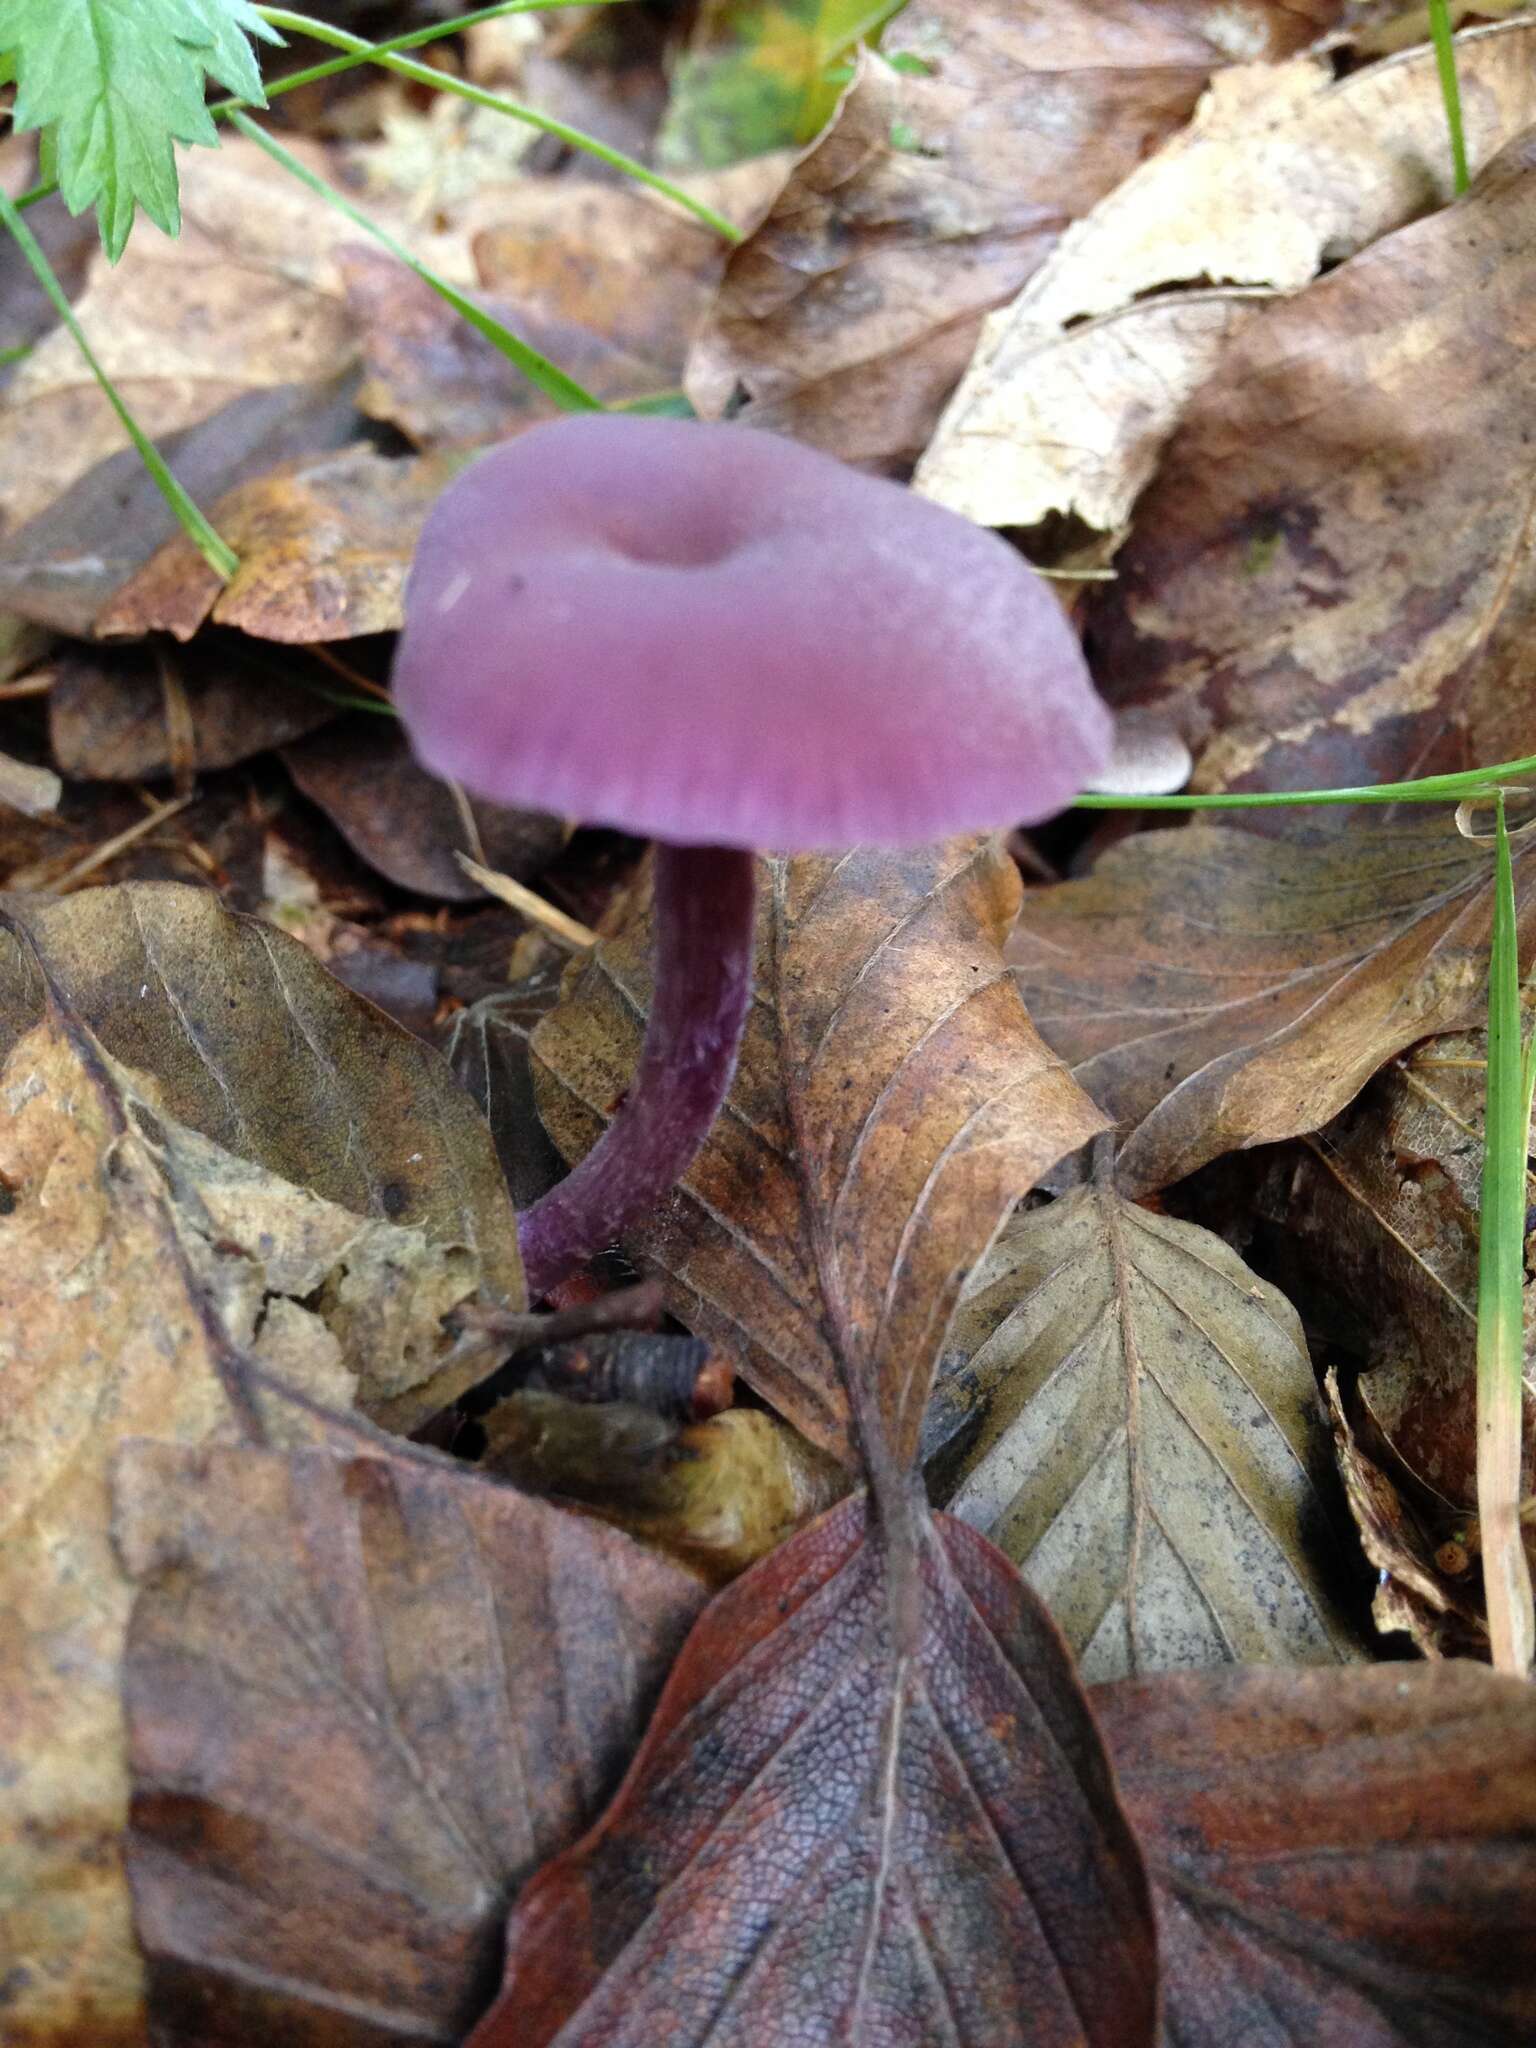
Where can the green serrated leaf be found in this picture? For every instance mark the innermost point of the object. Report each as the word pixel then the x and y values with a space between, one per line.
pixel 113 85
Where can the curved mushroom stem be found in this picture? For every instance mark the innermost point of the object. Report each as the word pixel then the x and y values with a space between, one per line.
pixel 704 935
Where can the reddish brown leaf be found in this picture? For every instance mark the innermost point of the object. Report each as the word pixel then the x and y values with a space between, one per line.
pixel 1341 1859
pixel 366 1695
pixel 848 317
pixel 1331 578
pixel 1214 989
pixel 849 1824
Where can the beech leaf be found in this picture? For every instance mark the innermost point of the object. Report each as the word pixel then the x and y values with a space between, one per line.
pixel 1215 989
pixel 1341 1859
pixel 830 1836
pixel 1329 581
pixel 1139 1429
pixel 253 1044
pixel 458 1673
pixel 891 1102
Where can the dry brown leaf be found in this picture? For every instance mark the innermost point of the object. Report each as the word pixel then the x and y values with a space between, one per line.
pixel 110 713
pixel 1214 989
pixel 1076 386
pixel 1379 1212
pixel 891 1103
pixel 714 1496
pixel 1129 1413
pixel 115 1286
pixel 1346 1859
pixel 866 1811
pixel 367 1694
pixel 247 298
pixel 405 822
pixel 257 1047
pixel 602 279
pixel 324 546
pixel 63 566
pixel 849 315
pixel 1427 1586
pixel 1330 580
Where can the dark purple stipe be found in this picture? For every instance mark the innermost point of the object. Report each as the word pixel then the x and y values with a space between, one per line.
pixel 704 940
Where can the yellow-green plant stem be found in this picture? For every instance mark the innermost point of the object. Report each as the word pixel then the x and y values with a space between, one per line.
pixel 575 138
pixel 1450 89
pixel 1501 1289
pixel 194 523
pixel 435 32
pixel 1426 789
pixel 539 370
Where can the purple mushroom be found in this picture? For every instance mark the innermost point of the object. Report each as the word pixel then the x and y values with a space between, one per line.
pixel 722 640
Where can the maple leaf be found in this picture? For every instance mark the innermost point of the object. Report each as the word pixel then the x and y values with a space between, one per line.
pixel 113 84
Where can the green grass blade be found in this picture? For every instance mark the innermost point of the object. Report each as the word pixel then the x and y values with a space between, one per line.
pixel 194 524
pixel 1501 1290
pixel 539 370
pixel 440 81
pixel 370 53
pixel 1450 89
pixel 1426 789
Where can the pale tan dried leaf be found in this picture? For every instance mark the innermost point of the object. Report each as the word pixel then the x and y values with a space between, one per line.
pixel 891 1103
pixel 849 315
pixel 27 788
pixel 114 1289
pixel 1331 580
pixel 1129 1412
pixel 1076 386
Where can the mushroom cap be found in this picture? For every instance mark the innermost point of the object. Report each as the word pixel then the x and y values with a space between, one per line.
pixel 711 635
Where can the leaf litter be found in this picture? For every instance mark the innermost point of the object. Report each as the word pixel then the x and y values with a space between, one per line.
pixel 367 1697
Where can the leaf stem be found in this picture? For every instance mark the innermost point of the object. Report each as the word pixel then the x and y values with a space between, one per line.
pixel 538 369
pixel 1450 90
pixel 218 554
pixel 1501 1290
pixel 1426 789
pixel 574 138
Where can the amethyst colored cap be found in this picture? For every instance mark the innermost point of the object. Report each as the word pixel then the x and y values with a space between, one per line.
pixel 710 635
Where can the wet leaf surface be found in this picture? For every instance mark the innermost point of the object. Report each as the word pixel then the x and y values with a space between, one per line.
pixel 1129 1412
pixel 841 1837
pixel 892 1101
pixel 1213 989
pixel 472 1666
pixel 1339 1857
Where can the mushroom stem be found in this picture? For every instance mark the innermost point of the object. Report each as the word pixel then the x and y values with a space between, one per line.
pixel 704 941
